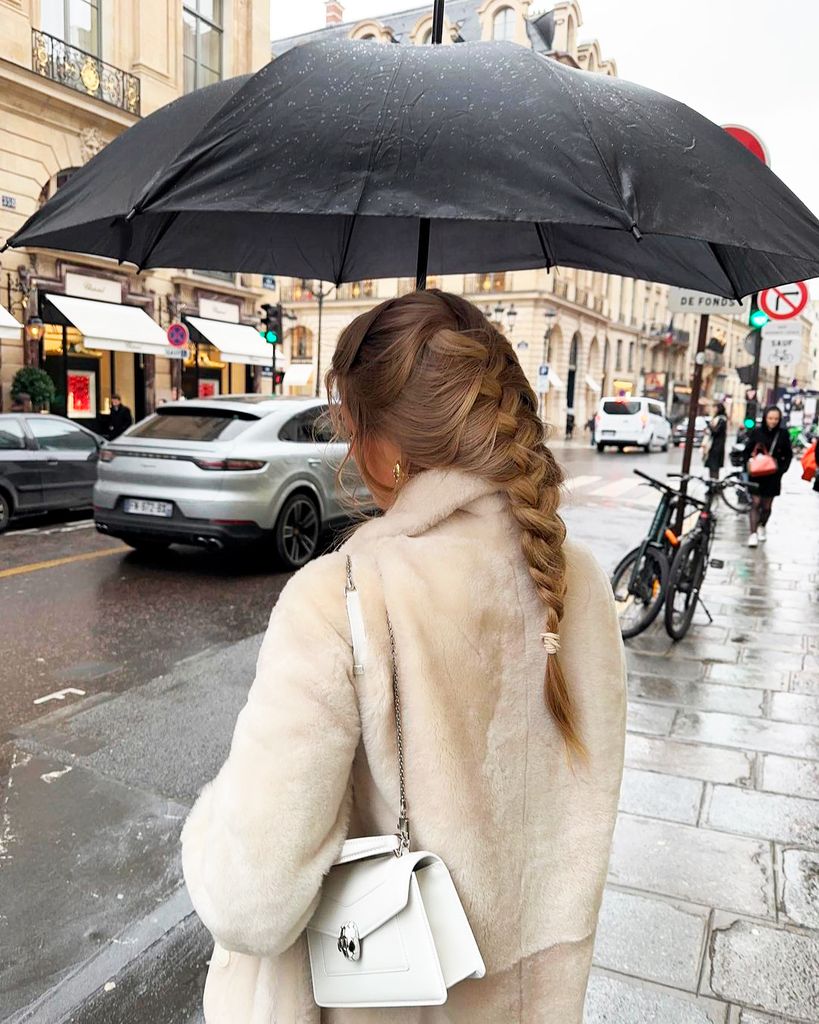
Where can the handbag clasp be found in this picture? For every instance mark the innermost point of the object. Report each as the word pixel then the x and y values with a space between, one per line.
pixel 349 944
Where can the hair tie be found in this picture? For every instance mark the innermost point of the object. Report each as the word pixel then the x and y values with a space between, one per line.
pixel 551 641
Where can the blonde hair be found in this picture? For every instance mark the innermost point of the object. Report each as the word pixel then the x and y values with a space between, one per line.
pixel 429 373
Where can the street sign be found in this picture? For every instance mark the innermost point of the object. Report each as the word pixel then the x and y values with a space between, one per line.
pixel 178 334
pixel 750 140
pixel 685 300
pixel 785 301
pixel 781 344
pixel 542 379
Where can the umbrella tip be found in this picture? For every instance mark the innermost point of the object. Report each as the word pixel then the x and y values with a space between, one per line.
pixel 636 232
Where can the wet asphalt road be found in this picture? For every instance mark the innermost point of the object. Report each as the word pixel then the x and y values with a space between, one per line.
pixel 80 610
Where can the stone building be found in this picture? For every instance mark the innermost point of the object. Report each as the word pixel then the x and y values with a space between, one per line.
pixel 598 334
pixel 73 75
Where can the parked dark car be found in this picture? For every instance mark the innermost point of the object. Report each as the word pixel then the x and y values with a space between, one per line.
pixel 680 430
pixel 46 462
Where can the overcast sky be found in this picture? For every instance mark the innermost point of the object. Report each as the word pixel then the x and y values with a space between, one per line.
pixel 750 62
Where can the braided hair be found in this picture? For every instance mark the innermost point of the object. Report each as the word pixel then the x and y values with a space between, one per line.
pixel 431 374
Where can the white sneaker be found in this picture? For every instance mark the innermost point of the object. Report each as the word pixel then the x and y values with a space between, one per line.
pixel 762 535
pixel 753 541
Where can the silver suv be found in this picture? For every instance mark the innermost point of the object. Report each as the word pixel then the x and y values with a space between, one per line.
pixel 220 471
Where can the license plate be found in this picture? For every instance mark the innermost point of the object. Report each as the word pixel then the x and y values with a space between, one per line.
pixel 142 507
pixel 609 433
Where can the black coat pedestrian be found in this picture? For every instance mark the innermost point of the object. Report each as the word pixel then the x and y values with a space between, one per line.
pixel 776 442
pixel 717 433
pixel 119 419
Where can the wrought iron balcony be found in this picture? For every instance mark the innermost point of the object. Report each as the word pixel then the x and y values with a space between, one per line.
pixel 52 58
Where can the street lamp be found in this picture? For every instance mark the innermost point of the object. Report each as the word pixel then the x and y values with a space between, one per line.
pixel 496 314
pixel 320 294
pixel 35 329
pixel 550 315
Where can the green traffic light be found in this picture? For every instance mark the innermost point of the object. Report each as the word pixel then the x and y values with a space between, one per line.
pixel 271 337
pixel 749 423
pixel 758 318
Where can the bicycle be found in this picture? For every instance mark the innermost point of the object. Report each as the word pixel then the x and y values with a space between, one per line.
pixel 693 557
pixel 740 491
pixel 640 579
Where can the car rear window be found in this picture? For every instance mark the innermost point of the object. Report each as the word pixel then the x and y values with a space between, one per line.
pixel 187 425
pixel 621 408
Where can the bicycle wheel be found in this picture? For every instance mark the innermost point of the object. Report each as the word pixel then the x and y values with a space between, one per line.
pixel 639 595
pixel 684 582
pixel 737 498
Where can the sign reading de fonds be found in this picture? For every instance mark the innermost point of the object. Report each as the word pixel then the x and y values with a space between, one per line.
pixel 685 300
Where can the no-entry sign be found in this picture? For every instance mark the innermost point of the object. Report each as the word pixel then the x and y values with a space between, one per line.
pixel 785 301
pixel 178 334
pixel 750 140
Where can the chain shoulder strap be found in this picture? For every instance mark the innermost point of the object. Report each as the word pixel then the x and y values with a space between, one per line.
pixel 403 832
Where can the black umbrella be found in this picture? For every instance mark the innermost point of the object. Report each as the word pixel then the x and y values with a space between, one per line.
pixel 325 163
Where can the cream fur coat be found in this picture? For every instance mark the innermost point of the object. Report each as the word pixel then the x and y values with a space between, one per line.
pixel 313 761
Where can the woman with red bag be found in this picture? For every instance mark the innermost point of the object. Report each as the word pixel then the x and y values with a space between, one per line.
pixel 768 454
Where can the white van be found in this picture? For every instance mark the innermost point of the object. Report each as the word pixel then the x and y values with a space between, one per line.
pixel 631 422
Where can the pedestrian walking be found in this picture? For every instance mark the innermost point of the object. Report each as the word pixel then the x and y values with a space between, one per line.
pixel 590 425
pixel 714 441
pixel 119 419
pixel 502 641
pixel 569 424
pixel 770 439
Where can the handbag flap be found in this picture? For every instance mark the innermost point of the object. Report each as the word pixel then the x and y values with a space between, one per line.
pixel 366 846
pixel 369 892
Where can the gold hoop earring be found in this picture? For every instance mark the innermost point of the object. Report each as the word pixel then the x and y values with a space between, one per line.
pixel 396 472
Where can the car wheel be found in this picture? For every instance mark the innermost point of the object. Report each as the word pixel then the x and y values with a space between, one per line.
pixel 601 447
pixel 297 531
pixel 5 512
pixel 647 447
pixel 664 447
pixel 147 545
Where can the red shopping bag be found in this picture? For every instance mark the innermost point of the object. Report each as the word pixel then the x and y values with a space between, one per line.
pixel 809 463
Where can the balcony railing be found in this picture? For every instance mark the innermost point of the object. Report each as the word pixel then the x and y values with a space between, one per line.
pixel 52 58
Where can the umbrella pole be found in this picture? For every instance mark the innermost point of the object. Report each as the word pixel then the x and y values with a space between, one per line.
pixel 693 406
pixel 423 224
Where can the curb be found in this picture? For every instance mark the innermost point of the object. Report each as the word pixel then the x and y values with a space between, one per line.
pixel 154 972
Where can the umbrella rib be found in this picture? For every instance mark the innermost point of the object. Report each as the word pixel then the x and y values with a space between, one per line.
pixel 724 268
pixel 612 181
pixel 159 236
pixel 548 255
pixel 370 161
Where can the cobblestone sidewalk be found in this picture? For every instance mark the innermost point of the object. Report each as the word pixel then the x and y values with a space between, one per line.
pixel 711 915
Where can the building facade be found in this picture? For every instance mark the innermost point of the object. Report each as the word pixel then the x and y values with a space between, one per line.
pixel 73 75
pixel 598 334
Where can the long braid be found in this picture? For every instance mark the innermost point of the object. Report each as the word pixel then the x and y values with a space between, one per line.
pixel 431 373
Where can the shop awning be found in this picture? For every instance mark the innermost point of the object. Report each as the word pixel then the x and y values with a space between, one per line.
pixel 9 327
pixel 116 328
pixel 592 383
pixel 555 381
pixel 237 343
pixel 298 374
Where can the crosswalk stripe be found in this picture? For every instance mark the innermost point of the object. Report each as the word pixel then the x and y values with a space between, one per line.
pixel 616 488
pixel 574 482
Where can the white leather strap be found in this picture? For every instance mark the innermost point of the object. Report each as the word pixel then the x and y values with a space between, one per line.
pixel 356 620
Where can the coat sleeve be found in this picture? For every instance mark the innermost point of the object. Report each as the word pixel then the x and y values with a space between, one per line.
pixel 263 833
pixel 784 454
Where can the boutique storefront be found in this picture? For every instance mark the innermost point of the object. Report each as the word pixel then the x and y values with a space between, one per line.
pixel 224 352
pixel 95 345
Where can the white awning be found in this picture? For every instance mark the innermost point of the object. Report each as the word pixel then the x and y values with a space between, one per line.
pixel 9 328
pixel 116 328
pixel 592 383
pixel 298 374
pixel 237 343
pixel 555 381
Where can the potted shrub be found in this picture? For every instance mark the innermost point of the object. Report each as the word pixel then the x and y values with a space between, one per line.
pixel 36 383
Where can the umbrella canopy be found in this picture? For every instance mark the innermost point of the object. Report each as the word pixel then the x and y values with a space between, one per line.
pixel 517 160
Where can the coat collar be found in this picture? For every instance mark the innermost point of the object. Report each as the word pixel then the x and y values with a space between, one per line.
pixel 429 498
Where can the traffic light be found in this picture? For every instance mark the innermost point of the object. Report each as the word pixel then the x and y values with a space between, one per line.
pixel 271 329
pixel 757 318
pixel 278 377
pixel 751 409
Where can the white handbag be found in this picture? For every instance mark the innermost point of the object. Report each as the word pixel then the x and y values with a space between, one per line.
pixel 389 929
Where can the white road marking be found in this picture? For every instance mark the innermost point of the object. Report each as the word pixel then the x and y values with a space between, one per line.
pixel 60 694
pixel 45 531
pixel 616 488
pixel 574 482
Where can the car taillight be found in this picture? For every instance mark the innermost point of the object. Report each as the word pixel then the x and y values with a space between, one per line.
pixel 598 418
pixel 106 455
pixel 229 465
